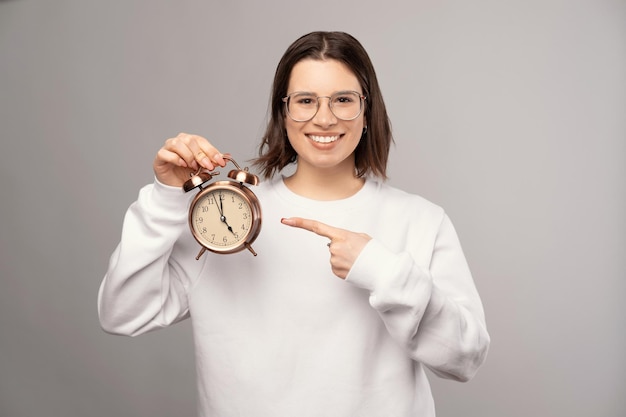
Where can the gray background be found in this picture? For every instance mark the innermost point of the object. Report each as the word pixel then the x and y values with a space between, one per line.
pixel 510 114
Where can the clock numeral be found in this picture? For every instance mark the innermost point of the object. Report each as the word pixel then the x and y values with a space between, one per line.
pixel 205 208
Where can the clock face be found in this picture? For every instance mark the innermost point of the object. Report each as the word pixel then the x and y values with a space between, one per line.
pixel 222 218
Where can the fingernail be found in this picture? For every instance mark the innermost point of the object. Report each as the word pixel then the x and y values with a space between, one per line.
pixel 219 159
pixel 207 164
pixel 288 222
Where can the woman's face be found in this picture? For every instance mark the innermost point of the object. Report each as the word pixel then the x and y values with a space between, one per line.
pixel 324 142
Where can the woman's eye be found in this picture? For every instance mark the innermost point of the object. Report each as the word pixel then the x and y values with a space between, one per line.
pixel 344 99
pixel 305 100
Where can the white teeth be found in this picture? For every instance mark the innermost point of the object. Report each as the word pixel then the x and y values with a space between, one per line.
pixel 324 139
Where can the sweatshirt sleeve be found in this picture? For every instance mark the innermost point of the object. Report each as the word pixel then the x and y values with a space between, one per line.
pixel 434 313
pixel 145 287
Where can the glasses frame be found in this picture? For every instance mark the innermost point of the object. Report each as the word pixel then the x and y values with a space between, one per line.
pixel 362 99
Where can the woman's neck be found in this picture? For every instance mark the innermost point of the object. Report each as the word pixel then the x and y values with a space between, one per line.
pixel 324 184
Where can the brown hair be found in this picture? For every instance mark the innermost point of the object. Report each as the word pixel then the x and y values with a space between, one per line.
pixel 372 152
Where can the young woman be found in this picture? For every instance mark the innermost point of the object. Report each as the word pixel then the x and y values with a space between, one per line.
pixel 357 288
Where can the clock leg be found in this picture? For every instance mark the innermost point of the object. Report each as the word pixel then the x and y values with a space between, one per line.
pixel 250 248
pixel 201 253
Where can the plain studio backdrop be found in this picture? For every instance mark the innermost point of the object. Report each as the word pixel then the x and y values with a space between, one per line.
pixel 509 114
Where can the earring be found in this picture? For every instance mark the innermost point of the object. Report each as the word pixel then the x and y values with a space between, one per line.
pixel 364 131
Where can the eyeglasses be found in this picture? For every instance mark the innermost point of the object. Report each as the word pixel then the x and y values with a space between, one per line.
pixel 345 105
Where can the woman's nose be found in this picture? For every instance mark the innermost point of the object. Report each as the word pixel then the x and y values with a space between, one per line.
pixel 324 115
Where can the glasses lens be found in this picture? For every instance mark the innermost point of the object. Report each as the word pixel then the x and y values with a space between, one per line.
pixel 345 105
pixel 302 106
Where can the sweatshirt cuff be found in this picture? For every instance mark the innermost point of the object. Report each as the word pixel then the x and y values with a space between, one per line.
pixel 393 279
pixel 165 201
pixel 374 261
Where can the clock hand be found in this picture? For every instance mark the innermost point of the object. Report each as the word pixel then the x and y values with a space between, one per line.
pixel 220 207
pixel 222 217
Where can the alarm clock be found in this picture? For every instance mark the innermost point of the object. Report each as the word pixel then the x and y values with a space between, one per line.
pixel 225 216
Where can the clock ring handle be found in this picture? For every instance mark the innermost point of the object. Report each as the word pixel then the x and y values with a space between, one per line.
pixel 241 175
pixel 198 178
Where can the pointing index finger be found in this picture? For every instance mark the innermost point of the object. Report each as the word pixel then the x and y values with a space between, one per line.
pixel 314 226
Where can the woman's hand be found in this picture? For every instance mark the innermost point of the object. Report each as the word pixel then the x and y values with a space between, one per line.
pixel 344 246
pixel 183 155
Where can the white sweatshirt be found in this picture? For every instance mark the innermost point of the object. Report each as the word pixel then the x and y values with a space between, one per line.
pixel 278 335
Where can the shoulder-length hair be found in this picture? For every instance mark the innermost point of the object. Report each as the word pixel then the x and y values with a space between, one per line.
pixel 372 152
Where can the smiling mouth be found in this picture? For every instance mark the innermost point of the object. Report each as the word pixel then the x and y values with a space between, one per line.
pixel 323 139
